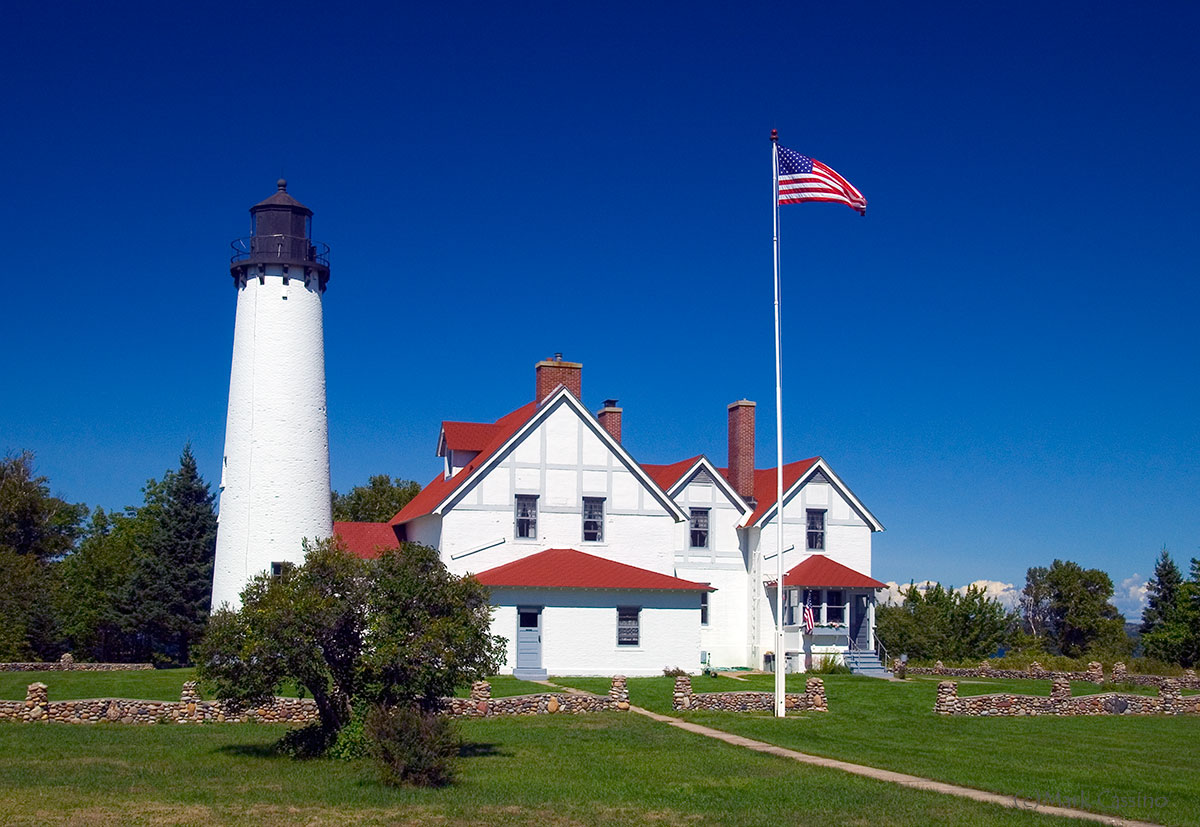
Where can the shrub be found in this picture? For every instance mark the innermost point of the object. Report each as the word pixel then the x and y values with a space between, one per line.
pixel 413 746
pixel 828 665
pixel 674 672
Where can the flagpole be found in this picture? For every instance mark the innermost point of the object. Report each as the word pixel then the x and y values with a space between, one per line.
pixel 780 657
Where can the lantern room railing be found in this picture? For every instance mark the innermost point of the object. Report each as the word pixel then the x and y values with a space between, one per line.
pixel 278 247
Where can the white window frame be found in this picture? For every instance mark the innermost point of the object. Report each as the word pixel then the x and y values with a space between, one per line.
pixel 597 502
pixel 692 529
pixel 531 499
pixel 814 536
pixel 637 626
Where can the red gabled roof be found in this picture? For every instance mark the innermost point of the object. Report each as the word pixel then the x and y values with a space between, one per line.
pixel 365 540
pixel 819 570
pixel 468 436
pixel 667 475
pixel 566 568
pixel 442 487
pixel 765 484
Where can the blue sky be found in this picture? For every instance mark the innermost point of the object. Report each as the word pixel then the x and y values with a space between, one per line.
pixel 999 358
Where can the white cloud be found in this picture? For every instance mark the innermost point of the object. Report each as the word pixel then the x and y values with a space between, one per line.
pixel 1008 594
pixel 1130 597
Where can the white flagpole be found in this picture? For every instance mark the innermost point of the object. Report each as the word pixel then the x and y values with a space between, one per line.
pixel 780 657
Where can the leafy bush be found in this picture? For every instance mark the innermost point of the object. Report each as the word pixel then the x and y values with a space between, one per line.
pixel 828 665
pixel 413 746
pixel 351 741
pixel 674 672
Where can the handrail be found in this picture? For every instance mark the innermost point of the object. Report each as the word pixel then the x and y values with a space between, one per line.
pixel 280 247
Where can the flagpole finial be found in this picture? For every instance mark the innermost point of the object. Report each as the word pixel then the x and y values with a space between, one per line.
pixel 774 134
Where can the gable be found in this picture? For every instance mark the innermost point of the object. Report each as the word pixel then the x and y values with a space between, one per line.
pixel 799 475
pixel 561 450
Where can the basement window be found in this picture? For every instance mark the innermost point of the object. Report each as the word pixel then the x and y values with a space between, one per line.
pixel 629 625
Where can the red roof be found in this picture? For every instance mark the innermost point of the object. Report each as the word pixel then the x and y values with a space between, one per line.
pixel 765 484
pixel 566 568
pixel 667 475
pixel 365 540
pixel 442 486
pixel 468 436
pixel 819 570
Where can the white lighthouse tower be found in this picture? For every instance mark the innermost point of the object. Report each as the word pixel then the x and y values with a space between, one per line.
pixel 275 471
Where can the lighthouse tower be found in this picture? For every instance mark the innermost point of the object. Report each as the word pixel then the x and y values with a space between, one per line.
pixel 275 471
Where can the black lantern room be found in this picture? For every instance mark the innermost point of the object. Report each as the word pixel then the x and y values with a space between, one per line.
pixel 280 233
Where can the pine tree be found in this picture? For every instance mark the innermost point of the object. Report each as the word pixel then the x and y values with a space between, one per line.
pixel 1161 592
pixel 172 585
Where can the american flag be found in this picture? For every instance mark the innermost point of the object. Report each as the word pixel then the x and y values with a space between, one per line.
pixel 809 622
pixel 803 179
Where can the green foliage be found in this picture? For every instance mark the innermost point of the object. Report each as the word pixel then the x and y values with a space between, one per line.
pixel 413 746
pixel 376 502
pixel 172 580
pixel 1068 607
pixel 36 529
pixel 944 623
pixel 828 665
pixel 1171 620
pixel 396 631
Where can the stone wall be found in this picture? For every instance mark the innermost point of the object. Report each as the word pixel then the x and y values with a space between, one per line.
pixel 813 698
pixel 190 709
pixel 1168 702
pixel 67 664
pixel 481 704
pixel 1094 674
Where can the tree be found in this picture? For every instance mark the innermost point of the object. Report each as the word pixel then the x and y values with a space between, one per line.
pixel 36 529
pixel 1068 607
pixel 376 502
pixel 1161 592
pixel 398 631
pixel 172 579
pixel 31 520
pixel 944 623
pixel 95 599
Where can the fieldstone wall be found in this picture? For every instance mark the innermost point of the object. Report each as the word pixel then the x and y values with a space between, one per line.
pixel 1168 702
pixel 813 698
pixel 481 704
pixel 67 664
pixel 1094 674
pixel 190 709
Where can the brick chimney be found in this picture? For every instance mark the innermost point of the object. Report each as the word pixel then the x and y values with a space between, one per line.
pixel 741 448
pixel 610 418
pixel 554 372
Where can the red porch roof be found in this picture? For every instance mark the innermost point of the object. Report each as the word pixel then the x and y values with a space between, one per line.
pixel 566 568
pixel 819 570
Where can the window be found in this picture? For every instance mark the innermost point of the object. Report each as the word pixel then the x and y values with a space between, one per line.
pixel 816 529
pixel 703 608
pixel 835 612
pixel 526 517
pixel 278 570
pixel 699 528
pixel 593 519
pixel 813 597
pixel 628 625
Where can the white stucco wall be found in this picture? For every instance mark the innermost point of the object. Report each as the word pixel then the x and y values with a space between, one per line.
pixel 579 630
pixel 561 461
pixel 275 468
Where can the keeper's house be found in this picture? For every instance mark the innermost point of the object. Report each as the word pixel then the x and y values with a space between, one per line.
pixel 600 565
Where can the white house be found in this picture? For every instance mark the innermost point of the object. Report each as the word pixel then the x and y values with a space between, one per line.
pixel 600 565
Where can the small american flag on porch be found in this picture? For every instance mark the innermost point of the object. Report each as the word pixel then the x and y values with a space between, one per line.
pixel 809 621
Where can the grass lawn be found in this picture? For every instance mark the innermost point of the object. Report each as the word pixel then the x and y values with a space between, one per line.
pixel 165 685
pixel 610 768
pixel 892 725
